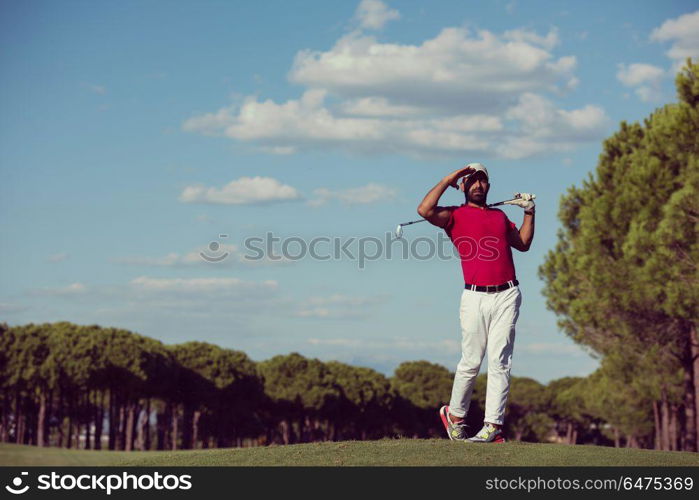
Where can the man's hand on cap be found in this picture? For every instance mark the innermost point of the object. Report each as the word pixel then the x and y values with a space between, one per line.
pixel 454 177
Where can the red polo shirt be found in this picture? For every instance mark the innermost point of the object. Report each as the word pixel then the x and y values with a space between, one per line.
pixel 480 236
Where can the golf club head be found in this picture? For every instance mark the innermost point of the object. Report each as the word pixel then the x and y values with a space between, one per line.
pixel 399 231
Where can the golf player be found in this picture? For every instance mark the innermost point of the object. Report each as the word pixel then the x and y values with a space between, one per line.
pixel 491 298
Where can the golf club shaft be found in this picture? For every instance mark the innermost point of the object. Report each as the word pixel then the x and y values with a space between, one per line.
pixel 491 205
pixel 412 222
pixel 500 203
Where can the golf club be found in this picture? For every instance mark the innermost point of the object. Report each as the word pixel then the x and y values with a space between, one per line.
pixel 503 202
pixel 399 229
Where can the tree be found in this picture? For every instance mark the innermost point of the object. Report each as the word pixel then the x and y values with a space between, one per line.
pixel 302 391
pixel 526 414
pixel 220 391
pixel 423 387
pixel 623 274
pixel 365 409
pixel 616 394
pixel 566 407
pixel 26 353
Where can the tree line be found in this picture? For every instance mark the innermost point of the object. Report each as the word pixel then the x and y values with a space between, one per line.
pixel 95 387
pixel 623 277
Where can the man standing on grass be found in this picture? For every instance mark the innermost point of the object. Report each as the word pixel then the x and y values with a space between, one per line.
pixel 491 298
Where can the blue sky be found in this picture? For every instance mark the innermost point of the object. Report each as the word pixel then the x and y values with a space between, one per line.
pixel 133 134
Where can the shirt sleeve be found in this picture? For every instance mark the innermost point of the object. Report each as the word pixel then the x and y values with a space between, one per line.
pixel 450 223
pixel 511 224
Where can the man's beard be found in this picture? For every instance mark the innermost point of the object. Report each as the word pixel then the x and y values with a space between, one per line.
pixel 478 197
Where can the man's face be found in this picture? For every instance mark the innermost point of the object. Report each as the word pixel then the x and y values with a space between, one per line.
pixel 476 186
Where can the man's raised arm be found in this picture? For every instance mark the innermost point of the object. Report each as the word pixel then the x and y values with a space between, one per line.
pixel 428 209
pixel 521 238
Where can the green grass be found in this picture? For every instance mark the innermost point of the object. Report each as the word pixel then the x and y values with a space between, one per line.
pixel 383 452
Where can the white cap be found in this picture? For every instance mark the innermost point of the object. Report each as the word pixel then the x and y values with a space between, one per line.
pixel 478 167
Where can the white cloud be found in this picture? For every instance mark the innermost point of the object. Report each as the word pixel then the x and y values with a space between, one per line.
pixel 377 106
pixel 454 70
pixel 542 118
pixel 279 150
pixel 6 308
pixel 338 306
pixel 546 128
pixel 371 193
pixel 638 74
pixel 464 123
pixel 374 14
pixel 58 257
pixel 220 255
pixel 451 95
pixel 282 126
pixel 521 35
pixel 96 89
pixel 155 288
pixel 646 79
pixel 403 344
pixel 198 285
pixel 683 31
pixel 307 123
pixel 550 348
pixel 168 260
pixel 209 123
pixel 324 312
pixel 224 306
pixel 72 289
pixel 649 93
pixel 315 125
pixel 243 191
pixel 172 259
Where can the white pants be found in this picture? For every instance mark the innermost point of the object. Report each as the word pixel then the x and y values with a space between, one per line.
pixel 487 322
